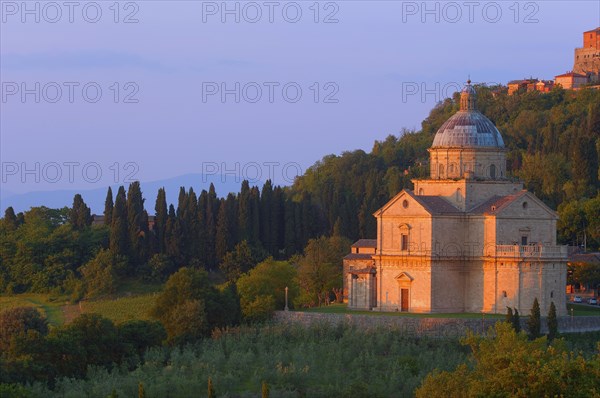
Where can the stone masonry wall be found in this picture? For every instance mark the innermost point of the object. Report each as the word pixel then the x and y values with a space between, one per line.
pixel 433 327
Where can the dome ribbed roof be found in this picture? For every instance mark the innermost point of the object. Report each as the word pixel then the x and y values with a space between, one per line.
pixel 468 127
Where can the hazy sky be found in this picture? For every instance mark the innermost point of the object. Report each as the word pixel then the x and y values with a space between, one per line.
pixel 365 69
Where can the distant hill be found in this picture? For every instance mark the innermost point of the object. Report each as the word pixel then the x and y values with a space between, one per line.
pixel 94 198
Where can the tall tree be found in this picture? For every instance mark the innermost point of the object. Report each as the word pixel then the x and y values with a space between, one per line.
pixel 137 224
pixel 552 322
pixel 222 234
pixel 173 238
pixel 10 219
pixel 108 207
pixel 211 227
pixel 534 322
pixel 80 215
pixel 266 214
pixel 160 220
pixel 119 238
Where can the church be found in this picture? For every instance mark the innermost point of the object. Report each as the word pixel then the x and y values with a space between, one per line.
pixel 467 239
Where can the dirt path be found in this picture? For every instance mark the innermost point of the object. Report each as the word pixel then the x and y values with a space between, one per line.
pixel 71 311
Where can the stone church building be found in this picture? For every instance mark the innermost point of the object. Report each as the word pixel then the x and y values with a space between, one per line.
pixel 467 239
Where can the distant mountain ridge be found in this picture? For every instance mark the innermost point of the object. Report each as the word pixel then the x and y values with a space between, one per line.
pixel 94 198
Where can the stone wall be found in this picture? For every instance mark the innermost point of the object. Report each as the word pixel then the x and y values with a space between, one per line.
pixel 433 327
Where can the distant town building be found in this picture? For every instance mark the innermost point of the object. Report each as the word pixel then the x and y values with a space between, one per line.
pixel 571 80
pixel 467 239
pixel 528 85
pixel 587 58
pixel 586 70
pixel 99 220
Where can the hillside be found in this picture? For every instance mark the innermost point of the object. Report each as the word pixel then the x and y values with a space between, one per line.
pixel 553 143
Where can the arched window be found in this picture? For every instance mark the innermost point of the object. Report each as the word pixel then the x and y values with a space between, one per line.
pixel 421 192
pixel 493 171
pixel 458 195
pixel 441 172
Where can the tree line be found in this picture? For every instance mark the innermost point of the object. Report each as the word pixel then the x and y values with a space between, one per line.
pixel 553 143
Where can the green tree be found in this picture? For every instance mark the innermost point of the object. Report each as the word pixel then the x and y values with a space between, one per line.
pixel 10 219
pixel 211 390
pixel 587 274
pixel 99 275
pixel 239 260
pixel 137 225
pixel 189 306
pixel 19 321
pixel 534 321
pixel 119 241
pixel 516 321
pixel 509 315
pixel 80 215
pixel 108 207
pixel 552 322
pixel 320 269
pixel 160 220
pixel 510 365
pixel 262 289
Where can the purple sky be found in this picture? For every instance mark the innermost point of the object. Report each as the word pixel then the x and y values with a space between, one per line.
pixel 364 67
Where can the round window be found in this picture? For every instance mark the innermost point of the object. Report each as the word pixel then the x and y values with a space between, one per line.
pixel 405 203
pixel 525 204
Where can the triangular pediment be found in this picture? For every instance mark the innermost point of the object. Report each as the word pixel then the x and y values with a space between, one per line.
pixel 403 276
pixel 526 203
pixel 404 203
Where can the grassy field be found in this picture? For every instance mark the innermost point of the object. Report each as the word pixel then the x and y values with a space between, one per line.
pixel 132 301
pixel 52 307
pixel 583 310
pixel 122 309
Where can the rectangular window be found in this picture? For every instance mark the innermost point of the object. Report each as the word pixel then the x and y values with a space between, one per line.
pixel 523 241
pixel 404 243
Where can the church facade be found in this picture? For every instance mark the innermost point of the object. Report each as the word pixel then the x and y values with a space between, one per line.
pixel 467 239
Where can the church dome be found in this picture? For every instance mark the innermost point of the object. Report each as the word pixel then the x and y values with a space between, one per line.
pixel 468 127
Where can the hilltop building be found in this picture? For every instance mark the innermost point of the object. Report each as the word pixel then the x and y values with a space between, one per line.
pixel 586 70
pixel 587 58
pixel 467 239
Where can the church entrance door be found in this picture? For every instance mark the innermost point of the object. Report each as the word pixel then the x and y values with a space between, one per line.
pixel 404 300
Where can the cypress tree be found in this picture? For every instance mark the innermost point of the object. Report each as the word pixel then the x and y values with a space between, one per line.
pixel 173 238
pixel 244 212
pixel 192 249
pixel 119 242
pixel 137 225
pixel 552 322
pixel 517 321
pixel 277 221
pixel 510 316
pixel 534 321
pixel 265 214
pixel 222 234
pixel 231 208
pixel 10 219
pixel 80 215
pixel 254 206
pixel 202 238
pixel 211 227
pixel 160 220
pixel 108 207
pixel 290 240
pixel 211 390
